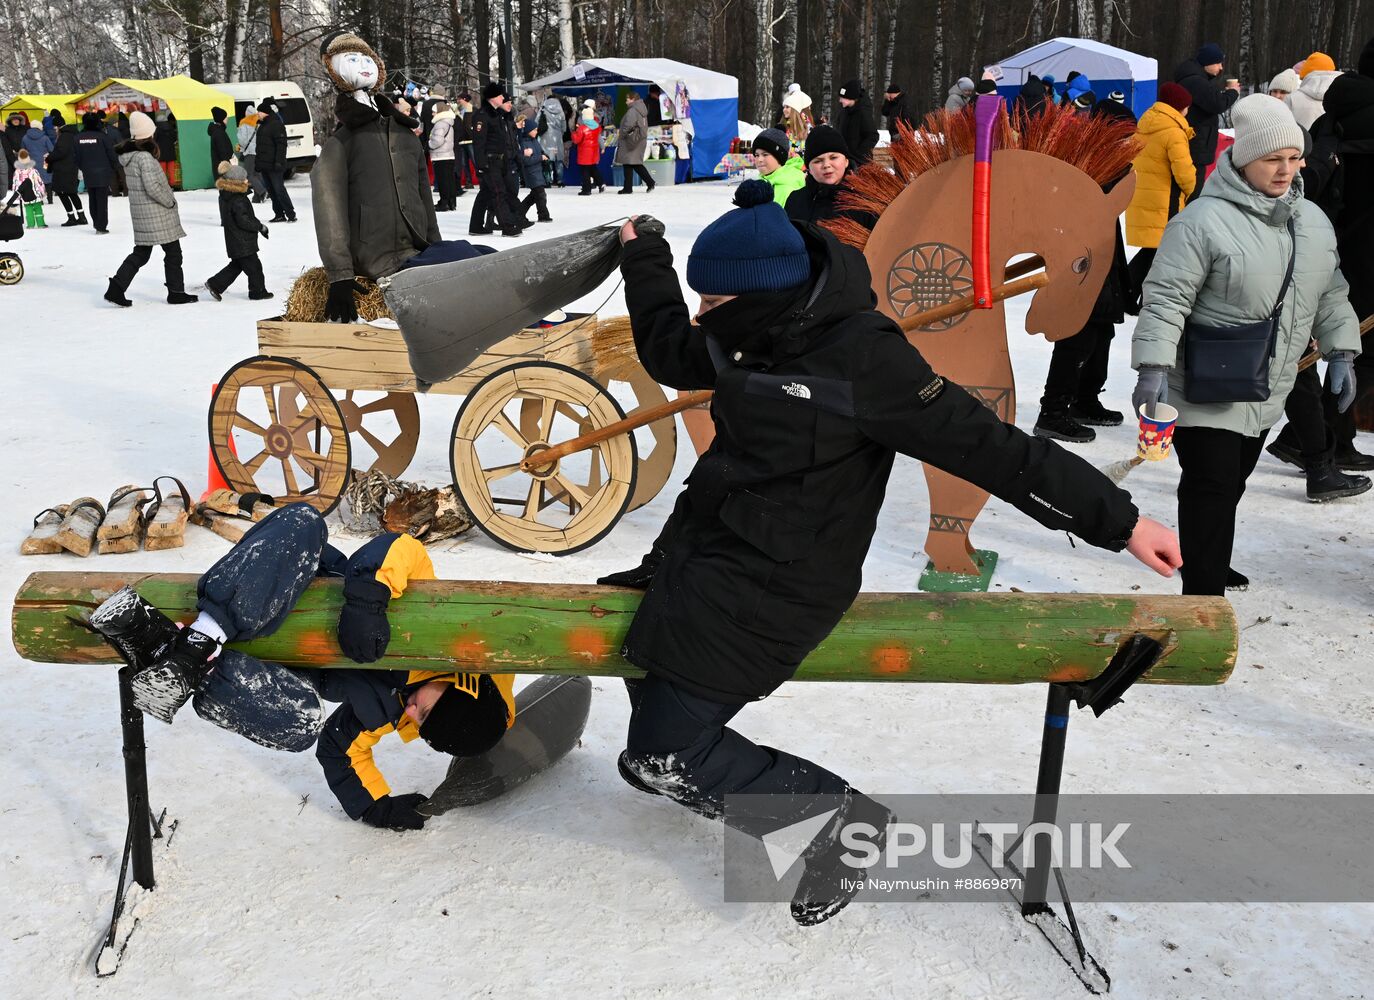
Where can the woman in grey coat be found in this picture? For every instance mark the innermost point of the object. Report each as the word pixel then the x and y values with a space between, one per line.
pixel 630 143
pixel 153 208
pixel 1222 263
pixel 553 138
pixel 247 139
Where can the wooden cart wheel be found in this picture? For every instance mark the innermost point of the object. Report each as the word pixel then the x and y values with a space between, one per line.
pixel 11 269
pixel 656 444
pixel 387 427
pixel 521 410
pixel 275 429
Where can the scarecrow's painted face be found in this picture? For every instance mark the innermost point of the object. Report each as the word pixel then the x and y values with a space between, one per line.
pixel 357 70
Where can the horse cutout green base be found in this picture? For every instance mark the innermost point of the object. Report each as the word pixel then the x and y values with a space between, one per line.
pixel 537 628
pixel 934 582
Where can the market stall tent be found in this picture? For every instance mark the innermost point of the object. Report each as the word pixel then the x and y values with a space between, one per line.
pixel 188 99
pixel 35 106
pixel 707 102
pixel 1108 67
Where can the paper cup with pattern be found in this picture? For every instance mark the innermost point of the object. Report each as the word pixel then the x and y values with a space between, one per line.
pixel 1156 433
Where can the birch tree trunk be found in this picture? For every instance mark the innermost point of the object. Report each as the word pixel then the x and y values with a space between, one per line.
pixel 789 42
pixel 763 62
pixel 1085 12
pixel 565 34
pixel 890 49
pixel 937 54
pixel 828 59
pixel 1245 61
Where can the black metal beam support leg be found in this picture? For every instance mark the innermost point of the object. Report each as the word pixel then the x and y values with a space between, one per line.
pixel 136 783
pixel 1047 797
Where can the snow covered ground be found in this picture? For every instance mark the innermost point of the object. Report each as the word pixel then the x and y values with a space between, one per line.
pixel 576 885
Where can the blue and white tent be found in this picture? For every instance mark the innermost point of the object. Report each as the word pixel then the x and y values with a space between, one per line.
pixel 710 100
pixel 1108 67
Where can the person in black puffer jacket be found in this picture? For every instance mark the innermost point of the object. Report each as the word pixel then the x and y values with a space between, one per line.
pixel 1198 76
pixel 241 231
pixel 62 165
pixel 815 393
pixel 856 122
pixel 221 146
pixel 271 162
pixel 827 165
pixel 95 158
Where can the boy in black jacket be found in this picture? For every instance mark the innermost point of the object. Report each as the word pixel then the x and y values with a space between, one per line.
pixel 241 229
pixel 815 393
pixel 247 595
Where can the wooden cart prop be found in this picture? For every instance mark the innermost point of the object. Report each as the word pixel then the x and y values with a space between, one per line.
pixel 1038 190
pixel 324 399
pixel 1088 648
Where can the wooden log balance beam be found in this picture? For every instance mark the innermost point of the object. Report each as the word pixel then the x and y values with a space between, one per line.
pixel 533 628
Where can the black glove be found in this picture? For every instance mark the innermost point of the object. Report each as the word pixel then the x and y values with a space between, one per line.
pixel 638 578
pixel 363 629
pixel 396 812
pixel 341 306
pixel 266 233
pixel 647 225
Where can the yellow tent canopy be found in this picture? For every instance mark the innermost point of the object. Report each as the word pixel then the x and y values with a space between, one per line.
pixel 38 105
pixel 189 100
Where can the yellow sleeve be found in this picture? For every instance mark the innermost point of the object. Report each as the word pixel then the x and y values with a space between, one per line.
pixel 406 560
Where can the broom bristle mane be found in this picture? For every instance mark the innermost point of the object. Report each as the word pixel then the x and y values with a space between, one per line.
pixel 1100 146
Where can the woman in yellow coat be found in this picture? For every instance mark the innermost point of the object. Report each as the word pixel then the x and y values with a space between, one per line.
pixel 1165 178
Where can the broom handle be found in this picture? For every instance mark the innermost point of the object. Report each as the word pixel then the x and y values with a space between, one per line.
pixel 970 302
pixel 636 420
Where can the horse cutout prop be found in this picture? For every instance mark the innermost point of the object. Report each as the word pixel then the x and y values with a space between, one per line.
pixel 1059 180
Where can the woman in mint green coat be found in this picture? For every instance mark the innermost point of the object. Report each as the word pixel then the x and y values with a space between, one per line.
pixel 1221 263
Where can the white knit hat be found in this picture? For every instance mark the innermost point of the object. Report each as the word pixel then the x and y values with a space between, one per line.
pixel 1262 126
pixel 1287 81
pixel 141 126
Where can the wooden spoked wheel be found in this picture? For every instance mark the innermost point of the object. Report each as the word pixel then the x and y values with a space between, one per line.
pixel 521 410
pixel 655 444
pixel 387 428
pixel 275 429
pixel 11 269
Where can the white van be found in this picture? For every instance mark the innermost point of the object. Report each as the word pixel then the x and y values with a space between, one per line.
pixel 295 112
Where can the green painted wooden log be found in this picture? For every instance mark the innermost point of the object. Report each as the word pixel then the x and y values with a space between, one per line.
pixel 535 628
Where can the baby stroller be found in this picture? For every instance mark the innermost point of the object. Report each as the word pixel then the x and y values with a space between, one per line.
pixel 11 228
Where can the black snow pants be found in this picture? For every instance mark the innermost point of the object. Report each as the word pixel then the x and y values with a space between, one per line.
pixel 680 746
pixel 249 593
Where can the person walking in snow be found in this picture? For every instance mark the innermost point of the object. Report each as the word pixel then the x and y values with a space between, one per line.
pixel 587 138
pixel 221 146
pixel 531 159
pixel 555 128
pixel 246 143
pixel 99 166
pixel 29 183
pixel 271 162
pixel 153 210
pixel 1249 252
pixel 442 151
pixel 63 169
pixel 631 141
pixel 1165 179
pixel 812 385
pixel 241 232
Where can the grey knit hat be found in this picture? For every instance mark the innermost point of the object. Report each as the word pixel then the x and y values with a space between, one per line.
pixel 1263 125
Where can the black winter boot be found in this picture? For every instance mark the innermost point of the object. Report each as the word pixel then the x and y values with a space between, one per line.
pixel 139 632
pixel 180 298
pixel 1350 460
pixel 1056 423
pixel 1329 483
pixel 164 687
pixel 115 293
pixel 828 884
pixel 1286 453
pixel 1236 581
pixel 1094 414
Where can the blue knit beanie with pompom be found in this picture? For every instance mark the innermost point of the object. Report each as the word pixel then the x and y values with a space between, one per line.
pixel 752 248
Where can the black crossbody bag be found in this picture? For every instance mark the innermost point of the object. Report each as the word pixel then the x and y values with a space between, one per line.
pixel 1230 364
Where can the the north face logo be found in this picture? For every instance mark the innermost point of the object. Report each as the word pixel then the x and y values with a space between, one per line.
pixel 797 389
